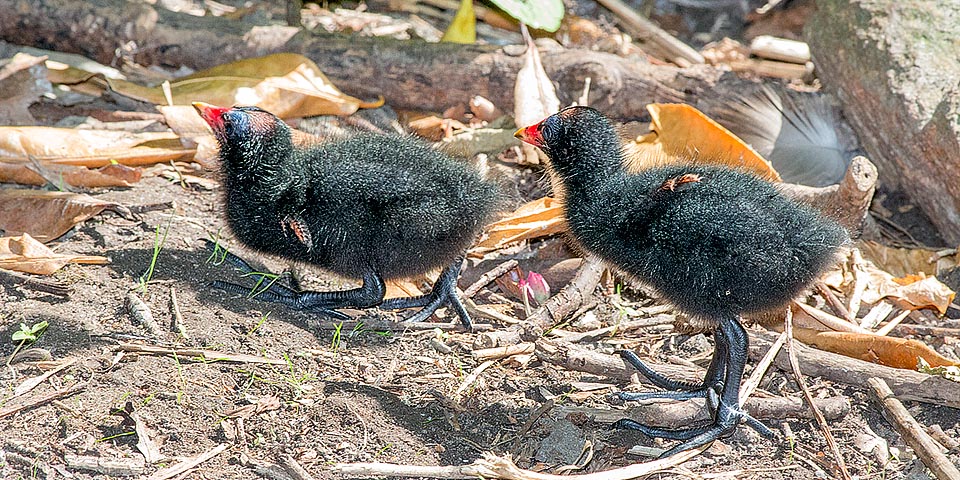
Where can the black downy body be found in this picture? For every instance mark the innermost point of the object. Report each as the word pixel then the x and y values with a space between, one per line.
pixel 371 206
pixel 717 243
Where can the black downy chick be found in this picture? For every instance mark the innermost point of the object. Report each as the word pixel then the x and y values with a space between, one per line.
pixel 371 207
pixel 717 243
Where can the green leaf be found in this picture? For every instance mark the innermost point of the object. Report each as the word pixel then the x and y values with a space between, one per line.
pixel 539 14
pixel 22 336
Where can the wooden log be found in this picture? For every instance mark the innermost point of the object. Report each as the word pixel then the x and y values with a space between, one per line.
pixel 409 74
pixel 893 66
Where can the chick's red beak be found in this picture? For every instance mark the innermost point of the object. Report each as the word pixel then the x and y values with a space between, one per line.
pixel 211 114
pixel 531 135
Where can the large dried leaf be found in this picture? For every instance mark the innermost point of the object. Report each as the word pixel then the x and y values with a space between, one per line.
pixel 682 134
pixel 286 84
pixel 890 351
pixel 113 175
pixel 88 148
pixel 23 79
pixel 907 261
pixel 535 219
pixel 534 97
pixel 45 215
pixel 24 254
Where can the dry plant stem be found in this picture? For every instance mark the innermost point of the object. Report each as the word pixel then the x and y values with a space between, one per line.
pixel 177 315
pixel 390 326
pixel 489 276
pixel 798 377
pixel 188 464
pixel 832 323
pixel 7 411
pixel 494 467
pixel 622 327
pixel 582 359
pixel 838 307
pixel 502 352
pixel 484 311
pixel 498 338
pixel 39 284
pixel 912 432
pixel 914 329
pixel 761 369
pixel 114 467
pixel 571 297
pixel 885 330
pixel 673 49
pixel 662 414
pixel 191 353
pixel 472 378
pixel 907 384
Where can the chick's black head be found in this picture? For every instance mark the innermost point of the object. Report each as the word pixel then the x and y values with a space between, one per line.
pixel 248 136
pixel 577 140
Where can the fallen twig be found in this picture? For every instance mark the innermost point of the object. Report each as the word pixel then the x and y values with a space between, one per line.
pixel 293 468
pixel 39 284
pixel 582 359
pixel 571 296
pixel 666 415
pixel 492 466
pixel 761 369
pixel 912 432
pixel 185 465
pixel 201 354
pixel 622 327
pixel 474 375
pixel 391 326
pixel 798 377
pixel 488 277
pixel 501 352
pixel 7 411
pixel 177 316
pixel 908 385
pixel 114 467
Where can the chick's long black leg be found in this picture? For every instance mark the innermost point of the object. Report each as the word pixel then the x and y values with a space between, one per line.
pixel 679 390
pixel 367 295
pixel 444 292
pixel 732 341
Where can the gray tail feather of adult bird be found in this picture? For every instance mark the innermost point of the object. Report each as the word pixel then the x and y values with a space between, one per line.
pixel 801 134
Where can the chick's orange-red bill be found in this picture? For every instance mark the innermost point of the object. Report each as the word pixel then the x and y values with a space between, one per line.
pixel 212 114
pixel 531 135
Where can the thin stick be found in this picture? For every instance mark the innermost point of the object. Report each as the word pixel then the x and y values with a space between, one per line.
pixel 834 302
pixel 675 50
pixel 884 330
pixel 621 327
pixel 204 355
pixel 912 432
pixel 503 352
pixel 798 377
pixel 488 277
pixel 570 297
pixel 7 411
pixel 474 375
pixel 751 384
pixel 185 465
pixel 494 467
pixel 293 468
pixel 177 316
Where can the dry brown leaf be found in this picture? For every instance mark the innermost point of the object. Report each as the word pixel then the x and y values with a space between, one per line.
pixel 907 261
pixel 88 148
pixel 890 351
pixel 534 97
pixel 535 219
pixel 24 254
pixel 114 175
pixel 286 84
pixel 23 79
pixel 680 133
pixel 402 288
pixel 46 215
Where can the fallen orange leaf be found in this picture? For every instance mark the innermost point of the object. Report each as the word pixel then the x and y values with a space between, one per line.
pixel 680 133
pixel 890 351
pixel 88 148
pixel 24 254
pixel 539 218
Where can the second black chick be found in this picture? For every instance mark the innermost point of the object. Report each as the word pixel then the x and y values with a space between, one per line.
pixel 718 243
pixel 371 207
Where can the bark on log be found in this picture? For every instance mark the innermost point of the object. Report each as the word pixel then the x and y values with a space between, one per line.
pixel 410 74
pixel 894 67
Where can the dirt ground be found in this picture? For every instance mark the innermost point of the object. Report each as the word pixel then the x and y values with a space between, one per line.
pixel 357 396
